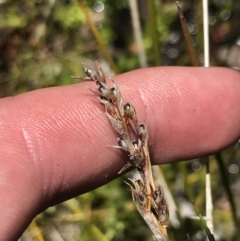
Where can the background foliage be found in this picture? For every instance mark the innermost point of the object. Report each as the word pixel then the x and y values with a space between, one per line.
pixel 43 43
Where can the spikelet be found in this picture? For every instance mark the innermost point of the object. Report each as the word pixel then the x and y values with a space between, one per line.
pixel 133 138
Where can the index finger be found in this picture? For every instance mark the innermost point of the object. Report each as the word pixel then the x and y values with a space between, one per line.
pixel 56 137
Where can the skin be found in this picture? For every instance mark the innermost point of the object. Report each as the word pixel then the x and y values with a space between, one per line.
pixel 53 141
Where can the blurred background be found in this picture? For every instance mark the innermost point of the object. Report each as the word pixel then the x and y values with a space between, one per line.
pixel 44 42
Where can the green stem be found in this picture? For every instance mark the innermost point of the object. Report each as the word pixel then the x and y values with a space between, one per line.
pixel 97 36
pixel 227 187
pixel 154 34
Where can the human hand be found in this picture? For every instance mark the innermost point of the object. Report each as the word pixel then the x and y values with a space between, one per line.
pixel 52 143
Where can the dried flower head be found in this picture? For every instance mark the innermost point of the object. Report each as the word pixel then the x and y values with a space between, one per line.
pixel 148 199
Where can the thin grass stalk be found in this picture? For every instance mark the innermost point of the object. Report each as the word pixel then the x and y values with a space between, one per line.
pixel 36 231
pixel 195 62
pixel 84 216
pixel 98 233
pixel 97 36
pixel 205 227
pixel 226 185
pixel 206 33
pixel 209 202
pixel 72 205
pixel 188 38
pixel 138 32
pixel 154 33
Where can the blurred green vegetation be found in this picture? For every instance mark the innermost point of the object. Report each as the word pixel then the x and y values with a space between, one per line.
pixel 44 42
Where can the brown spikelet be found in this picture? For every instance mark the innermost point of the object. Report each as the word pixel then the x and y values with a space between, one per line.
pixel 133 138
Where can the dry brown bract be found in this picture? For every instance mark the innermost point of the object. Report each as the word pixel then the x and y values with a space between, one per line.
pixel 148 199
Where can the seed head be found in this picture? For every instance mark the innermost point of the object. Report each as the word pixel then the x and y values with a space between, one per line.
pixel 133 138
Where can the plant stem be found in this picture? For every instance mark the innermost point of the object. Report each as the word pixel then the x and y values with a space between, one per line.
pixel 98 38
pixel 206 33
pixel 137 32
pixel 188 38
pixel 154 33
